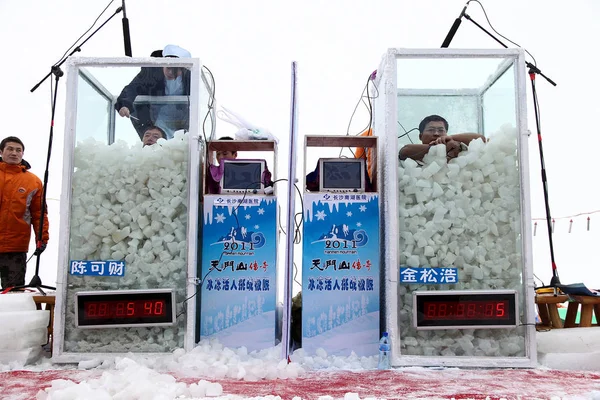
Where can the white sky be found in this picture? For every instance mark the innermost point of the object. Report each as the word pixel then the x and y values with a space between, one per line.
pixel 249 46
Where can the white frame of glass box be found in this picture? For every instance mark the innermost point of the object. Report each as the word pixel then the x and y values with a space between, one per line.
pixel 385 125
pixel 195 146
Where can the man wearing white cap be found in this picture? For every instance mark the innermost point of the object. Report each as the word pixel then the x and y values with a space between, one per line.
pixel 153 81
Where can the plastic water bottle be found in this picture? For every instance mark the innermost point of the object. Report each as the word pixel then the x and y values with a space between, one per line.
pixel 384 352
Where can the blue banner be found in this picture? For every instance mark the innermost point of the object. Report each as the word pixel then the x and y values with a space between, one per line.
pixel 239 256
pixel 97 268
pixel 340 273
pixel 428 275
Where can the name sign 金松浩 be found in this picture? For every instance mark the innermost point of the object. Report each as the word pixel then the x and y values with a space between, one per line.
pixel 428 275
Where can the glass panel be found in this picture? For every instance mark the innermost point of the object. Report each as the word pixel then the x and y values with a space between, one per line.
pixel 129 205
pixel 499 103
pixel 93 111
pixel 461 210
pixel 445 73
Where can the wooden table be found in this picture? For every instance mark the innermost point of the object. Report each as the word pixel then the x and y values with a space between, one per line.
pixel 49 302
pixel 589 305
pixel 548 310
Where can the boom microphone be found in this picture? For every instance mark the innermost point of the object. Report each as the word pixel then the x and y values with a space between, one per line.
pixel 453 29
pixel 126 37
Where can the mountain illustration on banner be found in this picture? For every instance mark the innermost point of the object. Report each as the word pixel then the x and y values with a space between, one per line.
pixel 241 235
pixel 342 232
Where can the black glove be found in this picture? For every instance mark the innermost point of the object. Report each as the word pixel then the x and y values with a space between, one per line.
pixel 39 250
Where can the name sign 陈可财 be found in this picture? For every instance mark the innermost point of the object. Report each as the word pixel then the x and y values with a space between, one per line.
pixel 428 275
pixel 97 268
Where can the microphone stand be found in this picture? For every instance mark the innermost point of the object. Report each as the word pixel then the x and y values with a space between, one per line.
pixel 533 70
pixel 75 50
pixel 55 70
pixel 36 281
pixel 126 34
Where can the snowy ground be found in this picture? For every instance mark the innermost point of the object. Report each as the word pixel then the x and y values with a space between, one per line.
pixel 211 371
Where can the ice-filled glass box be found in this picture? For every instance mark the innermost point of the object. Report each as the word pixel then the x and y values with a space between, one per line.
pixel 129 207
pixel 459 288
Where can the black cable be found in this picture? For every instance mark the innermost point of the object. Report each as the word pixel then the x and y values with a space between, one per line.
pixel 298 235
pixel 370 105
pixel 499 34
pixel 539 279
pixel 210 104
pixel 406 133
pixel 370 109
pixel 234 211
pixel 354 111
pixel 297 225
pixel 75 43
pixel 279 221
pixel 402 126
pixel 198 286
pixel 296 274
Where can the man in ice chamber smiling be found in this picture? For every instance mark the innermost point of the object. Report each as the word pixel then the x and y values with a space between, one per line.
pixel 152 134
pixel 433 130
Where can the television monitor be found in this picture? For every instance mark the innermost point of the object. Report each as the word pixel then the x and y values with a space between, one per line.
pixel 342 175
pixel 240 176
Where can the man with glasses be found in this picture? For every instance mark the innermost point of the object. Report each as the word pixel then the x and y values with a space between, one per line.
pixel 433 130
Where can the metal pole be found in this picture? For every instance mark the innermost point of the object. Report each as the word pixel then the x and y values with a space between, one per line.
pixel 291 197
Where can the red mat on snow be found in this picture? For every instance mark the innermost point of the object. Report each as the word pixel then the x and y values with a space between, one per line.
pixel 412 383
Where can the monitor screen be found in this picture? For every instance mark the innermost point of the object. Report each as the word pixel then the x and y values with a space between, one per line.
pixel 242 175
pixel 342 174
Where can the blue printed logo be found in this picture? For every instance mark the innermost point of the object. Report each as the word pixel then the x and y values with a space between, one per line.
pixel 342 237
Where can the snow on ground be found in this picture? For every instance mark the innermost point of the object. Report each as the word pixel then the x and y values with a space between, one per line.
pixel 569 368
pixel 212 371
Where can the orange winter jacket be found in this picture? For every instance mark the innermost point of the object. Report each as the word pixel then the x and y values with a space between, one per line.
pixel 20 208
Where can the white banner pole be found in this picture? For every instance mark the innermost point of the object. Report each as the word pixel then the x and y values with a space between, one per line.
pixel 291 197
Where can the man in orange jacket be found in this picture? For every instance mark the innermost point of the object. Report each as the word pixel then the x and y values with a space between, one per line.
pixel 20 210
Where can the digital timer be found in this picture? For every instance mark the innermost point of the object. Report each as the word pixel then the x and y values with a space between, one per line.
pixel 465 309
pixel 109 309
pixel 124 309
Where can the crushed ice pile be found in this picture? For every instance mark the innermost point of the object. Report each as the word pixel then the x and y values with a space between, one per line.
pixel 129 204
pixel 464 213
pixel 139 377
pixel 23 331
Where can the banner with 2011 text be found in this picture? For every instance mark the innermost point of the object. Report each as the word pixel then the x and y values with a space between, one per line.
pixel 340 273
pixel 239 255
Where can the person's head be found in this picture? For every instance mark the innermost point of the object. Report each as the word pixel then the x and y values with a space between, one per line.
pixel 11 150
pixel 226 153
pixel 431 128
pixel 152 134
pixel 174 51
